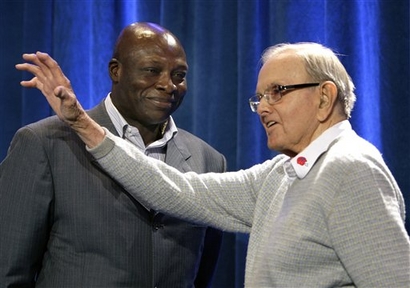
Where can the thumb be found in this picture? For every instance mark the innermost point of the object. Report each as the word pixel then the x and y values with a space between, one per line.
pixel 66 105
pixel 63 93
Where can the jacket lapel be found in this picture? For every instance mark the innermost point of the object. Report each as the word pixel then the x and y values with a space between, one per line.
pixel 178 154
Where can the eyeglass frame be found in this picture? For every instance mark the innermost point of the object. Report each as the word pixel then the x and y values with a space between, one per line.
pixel 276 93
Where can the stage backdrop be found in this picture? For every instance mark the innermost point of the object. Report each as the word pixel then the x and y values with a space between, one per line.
pixel 223 40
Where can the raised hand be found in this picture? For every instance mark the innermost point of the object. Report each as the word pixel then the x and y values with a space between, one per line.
pixel 56 87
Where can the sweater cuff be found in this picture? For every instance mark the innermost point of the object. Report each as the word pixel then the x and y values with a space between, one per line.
pixel 102 149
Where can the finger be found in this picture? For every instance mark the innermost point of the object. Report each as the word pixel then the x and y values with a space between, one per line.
pixel 33 83
pixel 32 59
pixel 46 59
pixel 33 69
pixel 47 74
pixel 67 96
pixel 62 92
pixel 44 68
pixel 51 68
pixel 29 56
pixel 69 108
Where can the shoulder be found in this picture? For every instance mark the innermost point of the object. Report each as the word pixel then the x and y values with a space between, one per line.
pixel 351 162
pixel 51 125
pixel 352 151
pixel 49 133
pixel 43 127
pixel 354 162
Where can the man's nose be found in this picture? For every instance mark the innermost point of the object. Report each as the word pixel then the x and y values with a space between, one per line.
pixel 165 82
pixel 263 107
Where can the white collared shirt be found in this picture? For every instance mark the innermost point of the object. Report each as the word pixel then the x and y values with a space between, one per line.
pixel 131 133
pixel 304 161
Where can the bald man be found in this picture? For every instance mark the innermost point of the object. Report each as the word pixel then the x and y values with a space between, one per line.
pixel 72 225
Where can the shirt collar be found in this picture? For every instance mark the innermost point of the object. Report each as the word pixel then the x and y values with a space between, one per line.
pixel 304 161
pixel 121 124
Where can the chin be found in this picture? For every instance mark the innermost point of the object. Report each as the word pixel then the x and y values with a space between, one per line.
pixel 272 146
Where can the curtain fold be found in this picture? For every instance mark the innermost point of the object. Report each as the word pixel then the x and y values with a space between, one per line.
pixel 223 40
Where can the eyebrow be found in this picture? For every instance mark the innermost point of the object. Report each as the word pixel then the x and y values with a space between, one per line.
pixel 271 85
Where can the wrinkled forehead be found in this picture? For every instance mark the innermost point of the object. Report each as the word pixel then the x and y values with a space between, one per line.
pixel 282 69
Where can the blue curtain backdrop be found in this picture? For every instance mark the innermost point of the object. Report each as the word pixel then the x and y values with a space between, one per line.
pixel 223 40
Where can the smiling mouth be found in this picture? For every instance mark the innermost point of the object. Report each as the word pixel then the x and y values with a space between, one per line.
pixel 161 102
pixel 270 124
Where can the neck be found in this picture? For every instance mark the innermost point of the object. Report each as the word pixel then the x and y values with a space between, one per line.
pixel 151 133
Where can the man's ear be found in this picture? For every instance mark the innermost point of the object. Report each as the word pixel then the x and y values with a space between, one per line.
pixel 328 100
pixel 114 69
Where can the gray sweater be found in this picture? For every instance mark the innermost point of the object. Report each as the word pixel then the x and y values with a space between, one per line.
pixel 340 225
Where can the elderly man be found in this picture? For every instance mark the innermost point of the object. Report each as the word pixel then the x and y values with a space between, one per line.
pixel 326 212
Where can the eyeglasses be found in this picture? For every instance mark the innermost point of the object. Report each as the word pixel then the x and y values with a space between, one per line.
pixel 274 93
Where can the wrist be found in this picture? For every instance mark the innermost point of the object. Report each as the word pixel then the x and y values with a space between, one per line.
pixel 90 132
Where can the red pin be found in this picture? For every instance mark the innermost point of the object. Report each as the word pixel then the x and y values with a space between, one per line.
pixel 301 161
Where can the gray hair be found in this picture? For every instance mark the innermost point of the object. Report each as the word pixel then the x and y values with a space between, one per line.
pixel 321 64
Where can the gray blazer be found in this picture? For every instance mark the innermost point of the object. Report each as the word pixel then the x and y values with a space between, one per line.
pixel 65 223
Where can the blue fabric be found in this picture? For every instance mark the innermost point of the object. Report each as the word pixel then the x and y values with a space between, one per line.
pixel 223 40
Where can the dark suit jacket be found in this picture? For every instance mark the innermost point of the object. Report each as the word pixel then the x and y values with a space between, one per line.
pixel 65 222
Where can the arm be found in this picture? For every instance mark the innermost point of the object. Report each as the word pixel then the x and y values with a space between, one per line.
pixel 26 196
pixel 222 200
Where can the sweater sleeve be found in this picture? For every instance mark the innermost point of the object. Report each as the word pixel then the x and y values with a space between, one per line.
pixel 222 200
